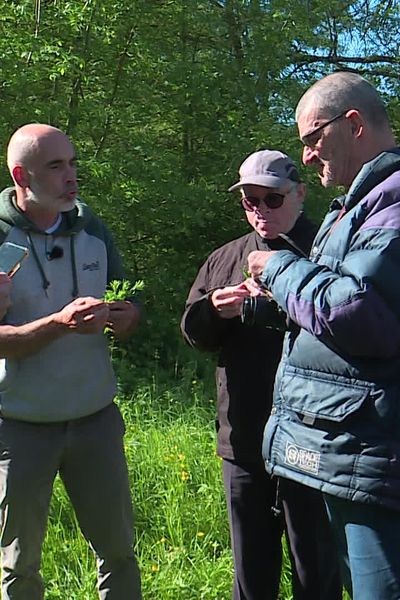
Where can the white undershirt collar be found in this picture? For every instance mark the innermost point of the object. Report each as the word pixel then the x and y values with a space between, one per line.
pixel 55 226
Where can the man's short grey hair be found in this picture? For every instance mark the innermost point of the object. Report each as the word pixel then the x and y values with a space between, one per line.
pixel 21 149
pixel 342 91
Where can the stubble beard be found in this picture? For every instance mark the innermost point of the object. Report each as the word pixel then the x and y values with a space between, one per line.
pixel 45 202
pixel 327 177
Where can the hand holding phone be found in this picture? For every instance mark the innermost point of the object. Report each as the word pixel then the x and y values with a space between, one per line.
pixel 11 257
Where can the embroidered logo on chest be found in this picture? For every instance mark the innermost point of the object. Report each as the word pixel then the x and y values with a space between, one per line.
pixel 93 266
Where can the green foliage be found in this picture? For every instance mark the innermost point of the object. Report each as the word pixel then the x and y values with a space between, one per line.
pixel 122 289
pixel 181 525
pixel 163 100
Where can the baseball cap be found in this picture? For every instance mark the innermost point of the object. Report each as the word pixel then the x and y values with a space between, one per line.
pixel 268 168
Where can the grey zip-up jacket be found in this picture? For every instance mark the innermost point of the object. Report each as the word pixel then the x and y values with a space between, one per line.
pixel 72 376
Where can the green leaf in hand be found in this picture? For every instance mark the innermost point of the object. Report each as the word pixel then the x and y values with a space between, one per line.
pixel 122 289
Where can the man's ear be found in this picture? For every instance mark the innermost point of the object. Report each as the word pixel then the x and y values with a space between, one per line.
pixel 301 192
pixel 20 176
pixel 356 122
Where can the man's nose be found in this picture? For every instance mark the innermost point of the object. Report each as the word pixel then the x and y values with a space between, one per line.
pixel 71 173
pixel 261 209
pixel 308 156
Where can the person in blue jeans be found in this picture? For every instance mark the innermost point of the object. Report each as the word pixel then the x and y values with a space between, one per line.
pixel 335 420
pixel 224 313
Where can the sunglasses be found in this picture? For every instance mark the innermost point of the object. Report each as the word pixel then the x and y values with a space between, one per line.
pixel 311 138
pixel 271 200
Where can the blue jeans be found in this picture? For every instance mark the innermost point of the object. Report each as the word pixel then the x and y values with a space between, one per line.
pixel 368 537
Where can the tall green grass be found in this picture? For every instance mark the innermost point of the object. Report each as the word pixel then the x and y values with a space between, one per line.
pixel 182 537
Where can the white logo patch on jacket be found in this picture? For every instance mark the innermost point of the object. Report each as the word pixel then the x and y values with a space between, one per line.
pixel 302 458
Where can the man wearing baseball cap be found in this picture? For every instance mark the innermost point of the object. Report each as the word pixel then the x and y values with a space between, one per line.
pixel 227 313
pixel 267 168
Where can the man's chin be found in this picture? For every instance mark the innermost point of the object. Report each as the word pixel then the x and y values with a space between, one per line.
pixel 327 180
pixel 67 206
pixel 267 233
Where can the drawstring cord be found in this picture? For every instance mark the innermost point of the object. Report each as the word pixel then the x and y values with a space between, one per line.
pixel 75 290
pixel 276 509
pixel 45 281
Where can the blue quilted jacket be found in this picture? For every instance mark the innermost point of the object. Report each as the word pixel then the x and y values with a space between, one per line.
pixel 335 421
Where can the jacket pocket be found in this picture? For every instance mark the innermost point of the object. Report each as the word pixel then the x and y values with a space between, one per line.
pixel 315 398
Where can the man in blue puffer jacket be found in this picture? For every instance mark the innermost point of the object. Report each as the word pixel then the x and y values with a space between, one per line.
pixel 335 422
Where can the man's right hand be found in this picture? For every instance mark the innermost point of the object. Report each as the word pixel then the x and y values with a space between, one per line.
pixel 257 261
pixel 84 315
pixel 228 301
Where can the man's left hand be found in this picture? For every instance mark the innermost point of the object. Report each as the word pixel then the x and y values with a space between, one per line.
pixel 257 261
pixel 123 317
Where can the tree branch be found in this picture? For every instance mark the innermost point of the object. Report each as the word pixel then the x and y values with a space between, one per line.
pixel 77 83
pixel 118 75
pixel 304 58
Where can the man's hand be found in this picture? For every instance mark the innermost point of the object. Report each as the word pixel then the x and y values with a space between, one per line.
pixel 123 317
pixel 84 315
pixel 5 286
pixel 253 287
pixel 228 301
pixel 257 261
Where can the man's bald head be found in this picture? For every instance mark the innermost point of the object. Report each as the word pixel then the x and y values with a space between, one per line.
pixel 42 163
pixel 341 91
pixel 25 143
pixel 343 124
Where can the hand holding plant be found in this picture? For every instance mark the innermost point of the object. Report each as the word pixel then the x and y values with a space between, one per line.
pixel 124 314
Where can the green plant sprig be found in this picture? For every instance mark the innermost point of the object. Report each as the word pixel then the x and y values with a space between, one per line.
pixel 122 289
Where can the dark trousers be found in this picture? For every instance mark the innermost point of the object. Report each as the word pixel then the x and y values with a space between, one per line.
pixel 256 536
pixel 89 455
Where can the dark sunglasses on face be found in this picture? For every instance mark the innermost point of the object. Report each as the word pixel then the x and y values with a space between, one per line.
pixel 310 139
pixel 271 200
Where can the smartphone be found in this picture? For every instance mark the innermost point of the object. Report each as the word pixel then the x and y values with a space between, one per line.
pixel 11 257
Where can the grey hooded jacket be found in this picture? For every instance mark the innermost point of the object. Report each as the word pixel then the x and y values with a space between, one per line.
pixel 72 376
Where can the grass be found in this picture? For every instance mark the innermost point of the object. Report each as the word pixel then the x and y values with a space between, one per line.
pixel 181 521
pixel 182 536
